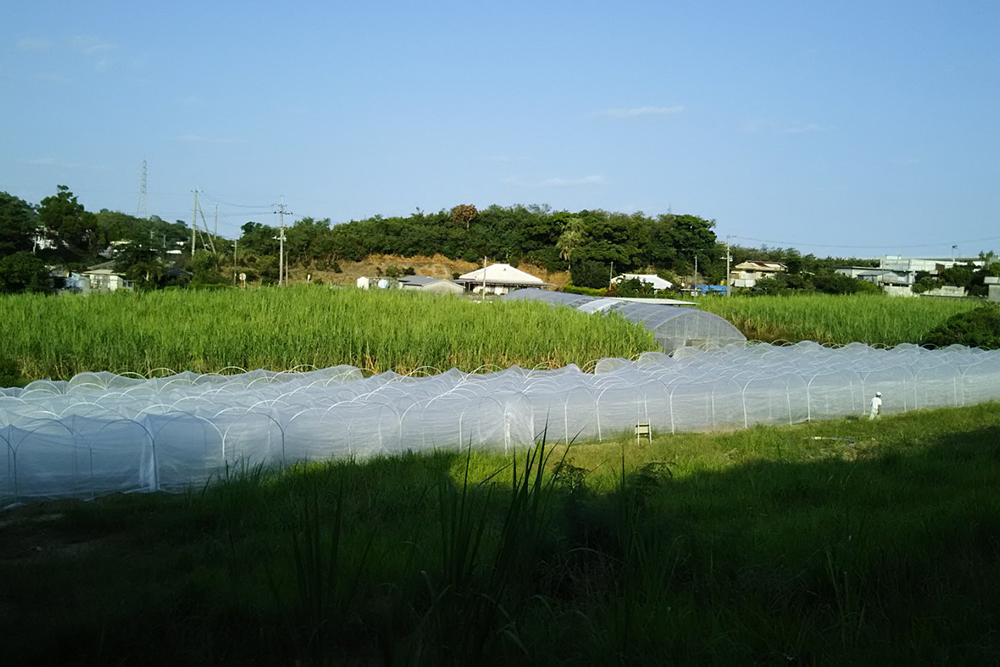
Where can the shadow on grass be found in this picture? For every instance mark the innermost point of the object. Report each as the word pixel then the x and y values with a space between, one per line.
pixel 884 552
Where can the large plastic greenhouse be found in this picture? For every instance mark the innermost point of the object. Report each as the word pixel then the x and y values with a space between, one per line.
pixel 101 433
pixel 673 327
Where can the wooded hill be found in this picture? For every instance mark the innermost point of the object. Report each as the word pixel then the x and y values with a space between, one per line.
pixel 590 244
pixel 583 242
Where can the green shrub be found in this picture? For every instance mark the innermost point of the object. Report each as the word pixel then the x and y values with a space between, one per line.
pixel 586 291
pixel 976 328
pixel 589 273
pixel 23 272
pixel 829 282
pixel 10 373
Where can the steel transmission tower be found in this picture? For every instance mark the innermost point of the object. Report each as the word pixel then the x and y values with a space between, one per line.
pixel 142 210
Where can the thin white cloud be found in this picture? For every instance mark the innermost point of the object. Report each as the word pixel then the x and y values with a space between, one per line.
pixel 53 78
pixel 32 44
pixel 633 112
pixel 91 46
pixel 505 159
pixel 98 50
pixel 808 128
pixel 757 125
pixel 198 139
pixel 572 182
pixel 586 181
pixel 61 164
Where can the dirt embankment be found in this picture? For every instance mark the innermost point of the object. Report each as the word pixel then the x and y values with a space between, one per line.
pixel 437 266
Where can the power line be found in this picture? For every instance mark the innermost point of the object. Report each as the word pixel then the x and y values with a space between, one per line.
pixel 867 247
pixel 219 201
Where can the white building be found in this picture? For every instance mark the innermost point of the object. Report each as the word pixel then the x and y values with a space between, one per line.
pixel 102 278
pixel 746 274
pixel 653 280
pixel 994 287
pixel 498 279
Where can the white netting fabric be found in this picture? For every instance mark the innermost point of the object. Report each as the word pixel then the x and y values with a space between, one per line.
pixel 101 432
pixel 673 327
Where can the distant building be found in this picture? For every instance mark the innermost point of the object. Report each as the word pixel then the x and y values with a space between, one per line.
pixel 994 286
pixel 498 279
pixel 912 265
pixel 746 274
pixel 951 291
pixel 103 278
pixel 896 274
pixel 872 275
pixel 653 280
pixel 429 284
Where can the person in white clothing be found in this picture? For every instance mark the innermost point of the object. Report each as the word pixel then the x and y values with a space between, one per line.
pixel 876 406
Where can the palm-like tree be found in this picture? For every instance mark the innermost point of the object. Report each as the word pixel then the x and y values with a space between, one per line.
pixel 570 239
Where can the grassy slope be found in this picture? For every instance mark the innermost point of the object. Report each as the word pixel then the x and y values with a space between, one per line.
pixel 762 546
pixel 838 320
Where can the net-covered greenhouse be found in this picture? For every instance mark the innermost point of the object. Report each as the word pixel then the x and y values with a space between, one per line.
pixel 100 433
pixel 672 326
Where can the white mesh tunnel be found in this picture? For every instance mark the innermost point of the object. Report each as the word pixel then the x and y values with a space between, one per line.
pixel 672 326
pixel 99 433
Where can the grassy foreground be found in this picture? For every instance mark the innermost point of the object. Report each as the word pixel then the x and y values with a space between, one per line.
pixel 379 330
pixel 844 542
pixel 836 319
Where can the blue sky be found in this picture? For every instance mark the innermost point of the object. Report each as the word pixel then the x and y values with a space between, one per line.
pixel 841 128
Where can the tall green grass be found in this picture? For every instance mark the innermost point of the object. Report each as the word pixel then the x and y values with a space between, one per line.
pixel 835 319
pixel 208 331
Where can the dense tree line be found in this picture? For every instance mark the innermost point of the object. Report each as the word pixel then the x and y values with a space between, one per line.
pixel 59 232
pixel 591 244
pixel 588 243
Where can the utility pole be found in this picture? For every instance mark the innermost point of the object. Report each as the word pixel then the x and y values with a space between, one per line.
pixel 211 239
pixel 281 256
pixel 696 268
pixel 236 244
pixel 194 221
pixel 729 258
pixel 282 268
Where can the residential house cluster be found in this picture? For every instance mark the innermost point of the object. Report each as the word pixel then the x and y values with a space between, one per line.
pixel 897 275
